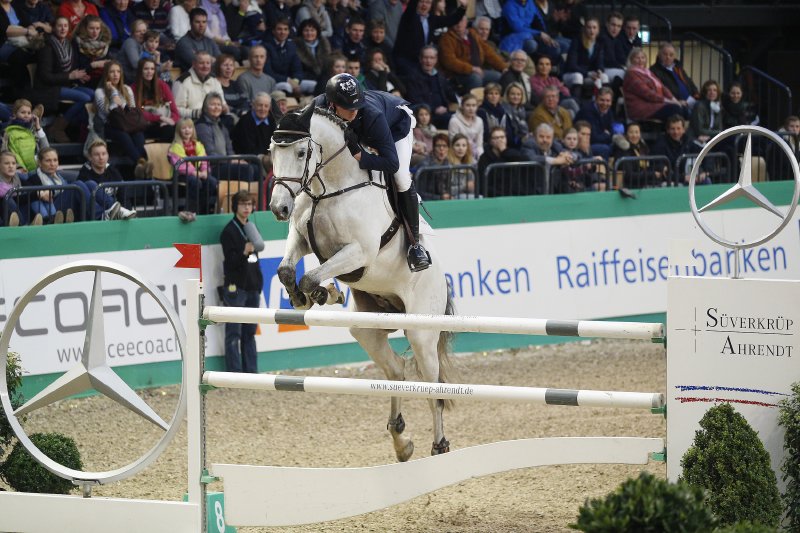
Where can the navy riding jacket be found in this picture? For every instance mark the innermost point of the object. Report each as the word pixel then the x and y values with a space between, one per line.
pixel 379 124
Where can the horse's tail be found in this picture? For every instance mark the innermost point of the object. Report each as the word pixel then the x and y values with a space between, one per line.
pixel 445 347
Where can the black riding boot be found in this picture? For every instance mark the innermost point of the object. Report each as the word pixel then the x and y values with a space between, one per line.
pixel 418 257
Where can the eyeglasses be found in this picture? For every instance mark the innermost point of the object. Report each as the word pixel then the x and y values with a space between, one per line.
pixel 519 59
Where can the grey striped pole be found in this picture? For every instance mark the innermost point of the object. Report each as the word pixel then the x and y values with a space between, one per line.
pixel 457 323
pixel 446 391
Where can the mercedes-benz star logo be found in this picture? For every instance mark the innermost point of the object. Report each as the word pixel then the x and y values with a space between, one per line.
pixel 744 188
pixel 92 372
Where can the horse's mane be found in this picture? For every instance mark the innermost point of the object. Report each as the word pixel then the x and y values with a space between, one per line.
pixel 332 116
pixel 292 125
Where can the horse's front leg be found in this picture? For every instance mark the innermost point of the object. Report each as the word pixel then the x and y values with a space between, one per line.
pixel 349 258
pixel 296 248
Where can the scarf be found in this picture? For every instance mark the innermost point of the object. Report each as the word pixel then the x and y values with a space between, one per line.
pixel 92 48
pixel 63 51
pixel 50 181
pixel 217 25
pixel 312 47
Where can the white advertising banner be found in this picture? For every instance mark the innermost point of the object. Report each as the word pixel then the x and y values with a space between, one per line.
pixel 568 269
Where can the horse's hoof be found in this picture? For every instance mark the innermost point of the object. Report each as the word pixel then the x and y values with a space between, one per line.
pixel 319 295
pixel 442 447
pixel 406 453
pixel 299 301
pixel 335 295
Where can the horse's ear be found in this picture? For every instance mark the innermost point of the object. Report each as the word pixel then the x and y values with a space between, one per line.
pixel 305 116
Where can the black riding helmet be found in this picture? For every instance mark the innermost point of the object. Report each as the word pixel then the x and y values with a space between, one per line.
pixel 345 91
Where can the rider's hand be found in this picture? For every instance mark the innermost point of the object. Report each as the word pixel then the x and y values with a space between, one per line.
pixel 351 138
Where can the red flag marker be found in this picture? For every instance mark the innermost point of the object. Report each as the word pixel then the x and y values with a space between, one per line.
pixel 190 257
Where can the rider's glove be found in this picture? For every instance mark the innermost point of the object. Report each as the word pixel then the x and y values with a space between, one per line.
pixel 351 138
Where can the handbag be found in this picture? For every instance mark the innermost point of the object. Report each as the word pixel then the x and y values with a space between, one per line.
pixel 162 111
pixel 128 119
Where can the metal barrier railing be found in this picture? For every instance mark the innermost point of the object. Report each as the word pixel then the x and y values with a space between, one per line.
pixel 772 97
pixel 658 26
pixel 629 173
pixel 769 162
pixel 716 168
pixel 21 199
pixel 229 176
pixel 586 174
pixel 146 196
pixel 707 60
pixel 447 182
pixel 514 179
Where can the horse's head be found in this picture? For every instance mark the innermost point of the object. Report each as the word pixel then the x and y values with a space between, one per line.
pixel 294 158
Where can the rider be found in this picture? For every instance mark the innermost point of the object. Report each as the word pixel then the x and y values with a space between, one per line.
pixel 384 123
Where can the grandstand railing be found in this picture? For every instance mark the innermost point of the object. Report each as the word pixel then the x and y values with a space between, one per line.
pixel 717 166
pixel 769 162
pixel 706 60
pixel 659 26
pixel 514 179
pixel 584 175
pixel 229 183
pixel 772 97
pixel 146 196
pixel 447 182
pixel 22 196
pixel 629 173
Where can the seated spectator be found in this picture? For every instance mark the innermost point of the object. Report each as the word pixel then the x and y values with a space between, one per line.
pixel 497 151
pixel 548 112
pixel 377 35
pixel 492 112
pixel 707 116
pixel 567 22
pixel 585 60
pixel 283 63
pixel 216 139
pixel 118 16
pixel 156 14
pixel 636 174
pixel 191 87
pixel 416 34
pixel 353 43
pixel 235 96
pixel 75 11
pixel 112 93
pixel 675 144
pixel 427 85
pixel 335 64
pixel 777 163
pixel 737 110
pixel 432 184
pixel 516 74
pixel 132 49
pixel 315 10
pixel 467 60
pixel 483 29
pixel 217 29
pixel 151 51
pixel 246 24
pixel 514 106
pixel 379 76
pixel 24 136
pixel 385 15
pixel 613 56
pixel 57 205
pixel 592 176
pixel 253 80
pixel 39 13
pixel 354 69
pixel 519 16
pixel 549 151
pixel 5 113
pixel 547 23
pixel 59 77
pixel 179 24
pixel 195 40
pixel 275 11
pixel 460 183
pixel 646 98
pixel 154 97
pixel 16 32
pixel 467 123
pixel 93 174
pixel 92 39
pixel 254 130
pixel 424 132
pixel 9 179
pixel 673 77
pixel 542 79
pixel 603 124
pixel 201 194
pixel 313 49
pixel 627 40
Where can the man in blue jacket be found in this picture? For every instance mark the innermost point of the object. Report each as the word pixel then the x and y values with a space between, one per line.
pixel 384 123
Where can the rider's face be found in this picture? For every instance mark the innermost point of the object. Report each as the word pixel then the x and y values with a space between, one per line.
pixel 346 114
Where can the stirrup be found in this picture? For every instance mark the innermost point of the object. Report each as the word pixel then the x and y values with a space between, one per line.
pixel 418 258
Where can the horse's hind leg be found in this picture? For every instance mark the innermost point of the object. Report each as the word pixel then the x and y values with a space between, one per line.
pixel 424 344
pixel 376 344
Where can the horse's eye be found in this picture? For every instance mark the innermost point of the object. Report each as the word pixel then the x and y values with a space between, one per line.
pixel 301 154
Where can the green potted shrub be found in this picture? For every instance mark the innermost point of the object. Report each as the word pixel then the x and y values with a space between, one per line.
pixel 790 420
pixel 24 474
pixel 729 461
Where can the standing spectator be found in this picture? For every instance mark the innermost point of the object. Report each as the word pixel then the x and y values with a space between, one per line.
pixel 242 281
pixel 675 144
pixel 315 10
pixel 118 16
pixel 201 194
pixel 542 79
pixel 156 14
pixel 379 76
pixel 467 123
pixel 671 73
pixel 57 205
pixel 519 16
pixel 179 23
pixel 24 136
pixel 467 60
pixel 601 119
pixel 427 85
pixel 353 43
pixel 516 74
pixel 645 96
pixel 59 77
pixel 283 62
pixel 253 80
pixel 707 116
pixel 217 29
pixel 635 174
pixel 132 49
pixel 417 26
pixel 154 97
pixel 93 40
pixel 492 113
pixel 93 174
pixel 514 105
pixel 195 40
pixel 548 112
pixel 628 39
pixel 235 96
pixel 75 10
pixel 192 87
pixel 313 50
pixel 613 55
pixel 585 60
pixel 497 151
pixel 388 13
pixel 214 135
pixel 424 132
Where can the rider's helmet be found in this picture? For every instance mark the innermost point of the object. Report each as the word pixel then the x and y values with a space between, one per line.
pixel 344 90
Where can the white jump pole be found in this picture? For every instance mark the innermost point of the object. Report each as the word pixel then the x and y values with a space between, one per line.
pixel 456 323
pixel 446 391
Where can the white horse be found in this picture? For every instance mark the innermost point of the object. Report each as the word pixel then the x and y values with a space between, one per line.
pixel 343 215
